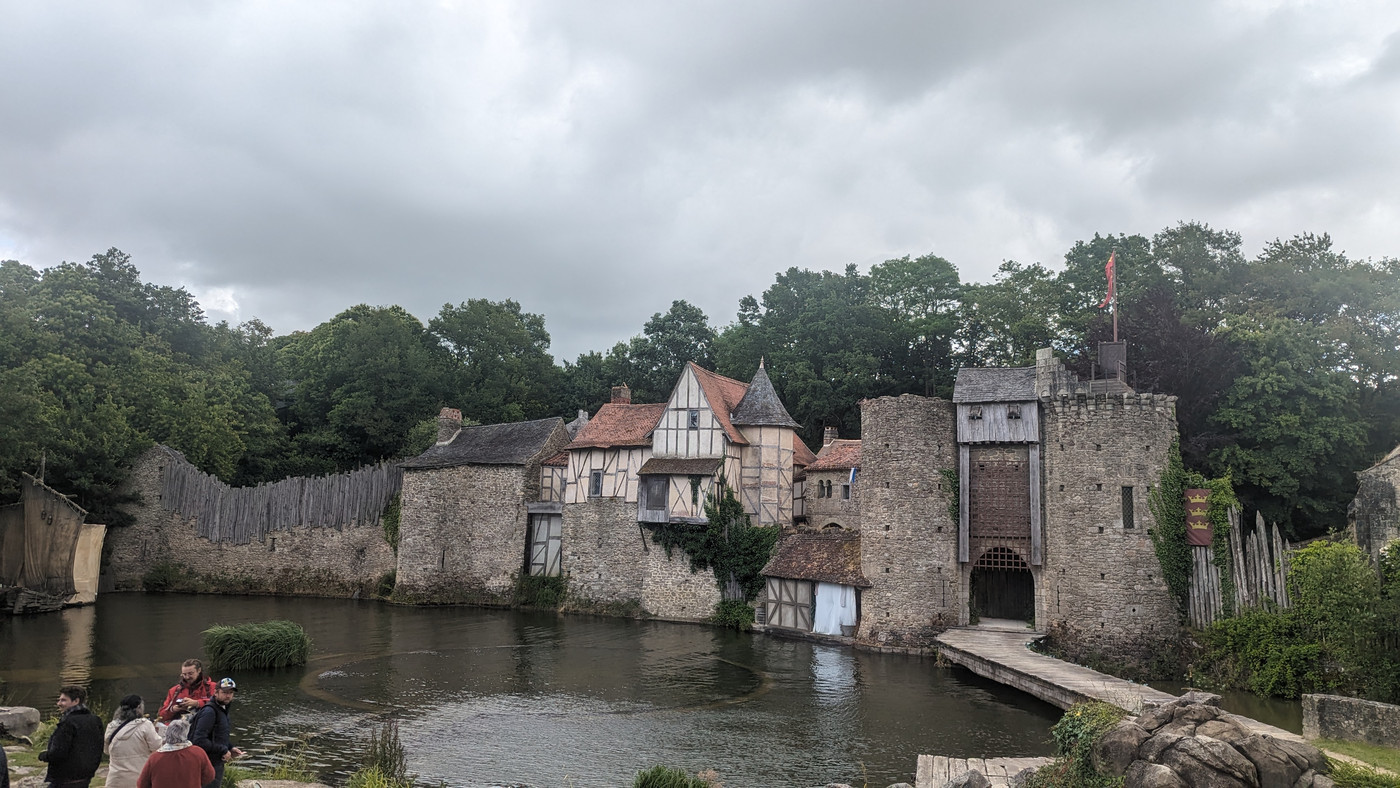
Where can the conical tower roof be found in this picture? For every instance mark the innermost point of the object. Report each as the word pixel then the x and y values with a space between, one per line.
pixel 761 406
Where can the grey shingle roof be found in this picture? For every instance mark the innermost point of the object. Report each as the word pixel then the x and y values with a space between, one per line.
pixel 666 466
pixel 761 406
pixel 826 557
pixel 490 444
pixel 983 384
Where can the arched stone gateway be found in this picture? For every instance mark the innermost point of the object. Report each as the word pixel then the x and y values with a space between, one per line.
pixel 1002 586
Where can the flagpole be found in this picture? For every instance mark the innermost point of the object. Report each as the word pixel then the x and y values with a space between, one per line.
pixel 1115 298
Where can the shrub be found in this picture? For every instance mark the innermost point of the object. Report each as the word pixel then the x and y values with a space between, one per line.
pixel 233 775
pixel 1350 775
pixel 1074 737
pixel 269 644
pixel 163 576
pixel 386 754
pixel 667 777
pixel 540 591
pixel 733 614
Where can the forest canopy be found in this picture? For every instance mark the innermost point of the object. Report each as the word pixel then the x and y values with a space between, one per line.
pixel 1285 365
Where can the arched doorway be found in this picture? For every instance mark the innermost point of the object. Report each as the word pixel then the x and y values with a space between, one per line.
pixel 1002 586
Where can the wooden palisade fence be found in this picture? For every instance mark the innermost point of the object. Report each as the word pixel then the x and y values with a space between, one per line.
pixel 244 514
pixel 1260 562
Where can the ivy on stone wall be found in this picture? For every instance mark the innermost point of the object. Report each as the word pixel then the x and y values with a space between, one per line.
pixel 727 543
pixel 950 478
pixel 1168 504
pixel 390 521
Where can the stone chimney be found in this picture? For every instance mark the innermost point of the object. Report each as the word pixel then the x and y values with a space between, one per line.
pixel 621 395
pixel 828 435
pixel 449 424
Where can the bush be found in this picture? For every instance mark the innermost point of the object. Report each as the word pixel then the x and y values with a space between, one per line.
pixel 733 614
pixel 164 576
pixel 1074 736
pixel 667 777
pixel 270 644
pixel 1349 775
pixel 386 754
pixel 539 591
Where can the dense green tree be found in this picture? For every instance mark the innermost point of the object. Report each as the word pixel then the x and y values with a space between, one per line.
pixel 504 371
pixel 360 382
pixel 921 295
pixel 1003 322
pixel 667 342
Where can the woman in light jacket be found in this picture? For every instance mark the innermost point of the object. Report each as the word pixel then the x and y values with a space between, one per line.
pixel 131 738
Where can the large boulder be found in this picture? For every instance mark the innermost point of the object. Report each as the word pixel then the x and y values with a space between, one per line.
pixel 1115 750
pixel 1206 761
pixel 18 722
pixel 1152 775
pixel 1274 764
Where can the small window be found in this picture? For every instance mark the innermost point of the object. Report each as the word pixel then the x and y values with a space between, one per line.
pixel 974 413
pixel 692 419
pixel 845 492
pixel 595 484
pixel 1013 411
pixel 655 489
pixel 1128 507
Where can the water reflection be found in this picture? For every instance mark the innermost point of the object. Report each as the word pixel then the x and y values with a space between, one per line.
pixel 493 697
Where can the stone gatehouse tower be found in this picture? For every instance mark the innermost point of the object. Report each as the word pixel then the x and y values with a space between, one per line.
pixel 1025 498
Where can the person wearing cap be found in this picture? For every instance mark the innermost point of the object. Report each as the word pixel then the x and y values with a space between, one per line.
pixel 194 690
pixel 176 764
pixel 131 738
pixel 75 746
pixel 210 730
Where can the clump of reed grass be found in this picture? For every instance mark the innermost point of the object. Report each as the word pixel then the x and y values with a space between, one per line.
pixel 668 777
pixel 268 644
pixel 386 761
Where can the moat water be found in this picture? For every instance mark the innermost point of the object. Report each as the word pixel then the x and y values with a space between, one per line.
pixel 495 698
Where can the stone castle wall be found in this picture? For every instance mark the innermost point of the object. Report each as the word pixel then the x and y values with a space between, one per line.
pixel 671 590
pixel 908 538
pixel 603 550
pixel 822 511
pixel 462 532
pixel 299 560
pixel 1374 514
pixel 1101 584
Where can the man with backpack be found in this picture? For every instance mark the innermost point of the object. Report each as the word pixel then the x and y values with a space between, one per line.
pixel 210 730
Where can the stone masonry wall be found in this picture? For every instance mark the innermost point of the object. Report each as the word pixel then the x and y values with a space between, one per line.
pixel 1375 512
pixel 462 532
pixel 1102 589
pixel 821 510
pixel 908 539
pixel 311 561
pixel 670 590
pixel 604 555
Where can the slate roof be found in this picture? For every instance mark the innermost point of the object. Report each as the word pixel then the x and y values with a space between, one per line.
pixel 723 394
pixel 668 466
pixel 828 557
pixel 619 424
pixel 838 455
pixel 1001 384
pixel 489 444
pixel 760 405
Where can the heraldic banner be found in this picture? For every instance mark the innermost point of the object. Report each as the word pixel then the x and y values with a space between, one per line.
pixel 1198 529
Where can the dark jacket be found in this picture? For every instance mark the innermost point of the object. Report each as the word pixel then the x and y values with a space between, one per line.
pixel 75 748
pixel 209 731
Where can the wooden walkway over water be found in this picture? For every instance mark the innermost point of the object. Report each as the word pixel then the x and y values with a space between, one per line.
pixel 936 770
pixel 1000 650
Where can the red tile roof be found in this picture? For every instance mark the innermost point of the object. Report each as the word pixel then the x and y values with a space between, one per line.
pixel 617 424
pixel 562 458
pixel 723 395
pixel 801 455
pixel 837 455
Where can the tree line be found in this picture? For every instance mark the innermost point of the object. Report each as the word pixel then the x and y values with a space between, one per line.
pixel 1284 364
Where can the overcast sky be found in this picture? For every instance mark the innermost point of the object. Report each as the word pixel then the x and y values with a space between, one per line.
pixel 597 160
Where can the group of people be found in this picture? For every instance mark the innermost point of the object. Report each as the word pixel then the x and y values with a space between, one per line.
pixel 186 746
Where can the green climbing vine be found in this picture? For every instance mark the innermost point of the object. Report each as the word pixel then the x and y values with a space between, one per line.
pixel 726 543
pixel 1168 504
pixel 950 479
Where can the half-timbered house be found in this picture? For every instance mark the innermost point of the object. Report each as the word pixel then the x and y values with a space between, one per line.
pixel 813 583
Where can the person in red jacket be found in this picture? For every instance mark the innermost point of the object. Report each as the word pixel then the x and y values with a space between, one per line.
pixel 177 764
pixel 194 690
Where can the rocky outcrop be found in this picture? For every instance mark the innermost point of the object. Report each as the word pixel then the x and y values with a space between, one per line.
pixel 17 722
pixel 1192 741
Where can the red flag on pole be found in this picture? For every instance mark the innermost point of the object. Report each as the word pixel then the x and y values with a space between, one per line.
pixel 1112 280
